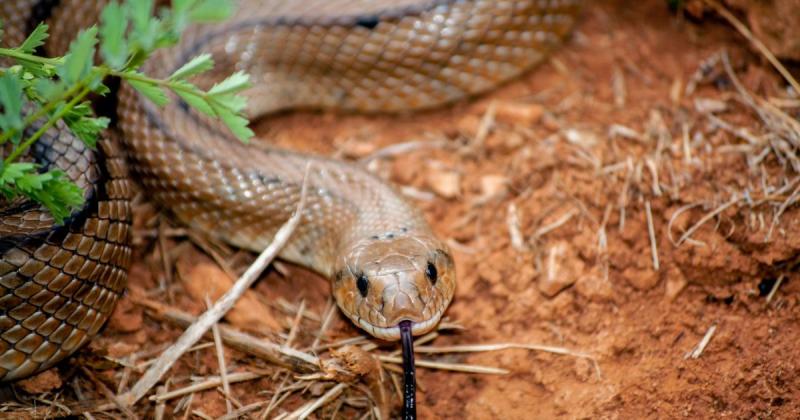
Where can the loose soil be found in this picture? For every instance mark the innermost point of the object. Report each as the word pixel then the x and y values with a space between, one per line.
pixel 619 201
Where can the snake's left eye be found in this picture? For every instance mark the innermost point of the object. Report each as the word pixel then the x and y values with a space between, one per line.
pixel 431 273
pixel 363 284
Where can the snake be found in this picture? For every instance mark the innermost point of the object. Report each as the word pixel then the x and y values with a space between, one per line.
pixel 59 282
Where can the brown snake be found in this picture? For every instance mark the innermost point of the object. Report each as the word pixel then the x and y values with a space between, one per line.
pixel 59 283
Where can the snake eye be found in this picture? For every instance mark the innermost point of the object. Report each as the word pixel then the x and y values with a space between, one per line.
pixel 431 272
pixel 363 284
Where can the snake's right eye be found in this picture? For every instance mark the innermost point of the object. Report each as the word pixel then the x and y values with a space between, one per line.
pixel 363 284
pixel 431 273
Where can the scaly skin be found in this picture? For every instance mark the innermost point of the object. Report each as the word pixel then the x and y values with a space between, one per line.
pixel 385 263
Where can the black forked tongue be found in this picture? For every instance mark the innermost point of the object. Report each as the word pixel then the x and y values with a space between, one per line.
pixel 409 377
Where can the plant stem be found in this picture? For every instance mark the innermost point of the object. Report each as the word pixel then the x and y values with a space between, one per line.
pixel 49 106
pixel 24 146
pixel 16 54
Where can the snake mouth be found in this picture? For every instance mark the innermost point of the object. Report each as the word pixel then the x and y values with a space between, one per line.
pixel 393 333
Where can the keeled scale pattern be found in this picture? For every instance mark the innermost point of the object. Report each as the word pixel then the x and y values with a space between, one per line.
pixel 58 284
pixel 316 54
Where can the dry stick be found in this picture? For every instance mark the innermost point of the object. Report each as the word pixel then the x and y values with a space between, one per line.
pixel 706 218
pixel 652 233
pixel 108 393
pixel 403 148
pixel 756 43
pixel 455 367
pixel 514 230
pixel 296 324
pixel 474 348
pixel 239 413
pixel 556 224
pixel 225 303
pixel 223 369
pixel 326 322
pixel 701 346
pixel 276 398
pixel 307 409
pixel 775 288
pixel 209 383
pixel 285 357
pixel 161 406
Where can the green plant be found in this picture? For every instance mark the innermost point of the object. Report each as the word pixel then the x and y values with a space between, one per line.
pixel 43 90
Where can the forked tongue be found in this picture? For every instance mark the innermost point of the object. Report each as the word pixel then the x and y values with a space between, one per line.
pixel 409 377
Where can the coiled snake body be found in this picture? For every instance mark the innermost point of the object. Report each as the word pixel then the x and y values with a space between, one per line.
pixel 59 283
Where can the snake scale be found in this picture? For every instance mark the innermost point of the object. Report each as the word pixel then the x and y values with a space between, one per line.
pixel 58 284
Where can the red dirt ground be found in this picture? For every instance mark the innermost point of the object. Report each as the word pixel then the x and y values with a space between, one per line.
pixel 583 277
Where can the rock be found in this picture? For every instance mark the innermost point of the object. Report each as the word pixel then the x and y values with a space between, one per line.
pixel 494 186
pixel 562 268
pixel 518 113
pixel 595 288
pixel 676 282
pixel 43 382
pixel 127 317
pixel 445 183
pixel 641 279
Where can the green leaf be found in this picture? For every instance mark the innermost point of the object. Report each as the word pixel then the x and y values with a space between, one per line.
pixel 235 103
pixel 51 189
pixel 35 39
pixel 11 104
pixel 211 10
pixel 234 83
pixel 197 65
pixel 78 61
pixel 180 6
pixel 146 28
pixel 236 123
pixel 194 97
pixel 84 124
pixel 47 89
pixel 15 171
pixel 197 102
pixel 151 91
pixel 113 24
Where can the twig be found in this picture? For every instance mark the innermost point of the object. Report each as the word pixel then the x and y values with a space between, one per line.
pixel 209 383
pixel 401 148
pixel 485 125
pixel 225 303
pixel 473 348
pixel 652 233
pixel 326 321
pixel 756 43
pixel 701 346
pixel 282 356
pixel 706 218
pixel 455 367
pixel 296 324
pixel 556 224
pixel 239 413
pixel 108 393
pixel 223 370
pixel 307 409
pixel 514 230
pixel 776 217
pixel 161 406
pixel 775 288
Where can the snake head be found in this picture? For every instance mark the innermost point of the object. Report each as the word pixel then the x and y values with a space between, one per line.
pixel 391 278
